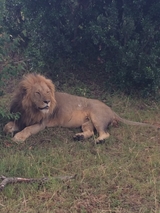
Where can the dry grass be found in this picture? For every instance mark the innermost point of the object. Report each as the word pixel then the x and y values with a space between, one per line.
pixel 120 176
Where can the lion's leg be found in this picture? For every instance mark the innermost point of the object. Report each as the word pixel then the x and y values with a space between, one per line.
pixel 88 131
pixel 100 123
pixel 10 128
pixel 28 131
pixel 102 136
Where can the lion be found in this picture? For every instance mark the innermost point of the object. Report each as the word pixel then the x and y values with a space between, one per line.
pixel 40 106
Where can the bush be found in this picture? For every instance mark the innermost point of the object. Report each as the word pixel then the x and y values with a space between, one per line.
pixel 8 67
pixel 11 62
pixel 123 36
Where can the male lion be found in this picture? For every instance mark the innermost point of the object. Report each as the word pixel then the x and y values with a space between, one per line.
pixel 40 106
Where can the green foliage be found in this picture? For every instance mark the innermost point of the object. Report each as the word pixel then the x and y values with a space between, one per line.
pixel 9 56
pixel 11 63
pixel 129 38
pixel 6 115
pixel 122 36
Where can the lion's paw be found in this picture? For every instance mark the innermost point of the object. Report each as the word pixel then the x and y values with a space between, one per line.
pixel 78 137
pixel 100 141
pixel 19 137
pixel 9 128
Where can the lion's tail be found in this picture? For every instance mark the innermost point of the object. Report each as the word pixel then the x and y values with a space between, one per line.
pixel 134 123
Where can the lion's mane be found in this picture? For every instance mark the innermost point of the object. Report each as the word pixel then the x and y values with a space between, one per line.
pixel 23 103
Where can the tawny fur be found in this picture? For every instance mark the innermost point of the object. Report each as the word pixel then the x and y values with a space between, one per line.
pixel 40 106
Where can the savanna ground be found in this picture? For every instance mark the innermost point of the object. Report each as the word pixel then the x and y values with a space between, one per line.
pixel 120 176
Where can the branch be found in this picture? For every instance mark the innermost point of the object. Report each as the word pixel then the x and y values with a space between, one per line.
pixel 13 180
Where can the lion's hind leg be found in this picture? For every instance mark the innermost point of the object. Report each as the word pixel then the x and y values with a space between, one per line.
pixel 102 136
pixel 100 122
pixel 88 131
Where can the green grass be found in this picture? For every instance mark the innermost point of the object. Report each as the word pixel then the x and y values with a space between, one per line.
pixel 120 176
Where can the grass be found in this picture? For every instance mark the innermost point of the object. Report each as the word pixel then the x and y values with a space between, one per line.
pixel 120 176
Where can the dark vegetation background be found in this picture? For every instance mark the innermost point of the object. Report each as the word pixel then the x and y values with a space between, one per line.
pixel 117 42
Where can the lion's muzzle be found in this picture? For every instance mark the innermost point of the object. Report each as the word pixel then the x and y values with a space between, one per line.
pixel 47 105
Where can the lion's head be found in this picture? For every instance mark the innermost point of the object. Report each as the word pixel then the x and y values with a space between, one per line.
pixel 34 99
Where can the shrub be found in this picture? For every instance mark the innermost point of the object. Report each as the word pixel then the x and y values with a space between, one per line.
pixel 123 36
pixel 11 62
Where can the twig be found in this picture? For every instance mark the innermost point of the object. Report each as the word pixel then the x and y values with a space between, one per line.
pixel 13 180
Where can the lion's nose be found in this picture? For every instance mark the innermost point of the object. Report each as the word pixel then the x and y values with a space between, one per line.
pixel 46 102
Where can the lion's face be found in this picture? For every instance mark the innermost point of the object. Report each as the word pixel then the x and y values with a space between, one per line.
pixel 36 97
pixel 39 94
pixel 41 97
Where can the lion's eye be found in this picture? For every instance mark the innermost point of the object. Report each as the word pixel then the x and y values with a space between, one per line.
pixel 37 93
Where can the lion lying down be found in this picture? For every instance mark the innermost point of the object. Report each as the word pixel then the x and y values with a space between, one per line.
pixel 40 106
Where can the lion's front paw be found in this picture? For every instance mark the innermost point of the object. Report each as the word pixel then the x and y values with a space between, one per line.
pixel 19 137
pixel 9 128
